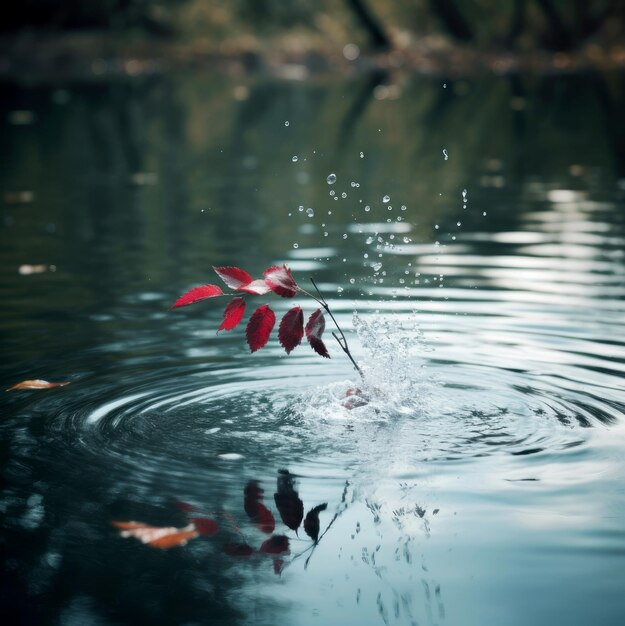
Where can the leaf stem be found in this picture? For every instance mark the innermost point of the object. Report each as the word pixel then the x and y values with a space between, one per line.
pixel 340 338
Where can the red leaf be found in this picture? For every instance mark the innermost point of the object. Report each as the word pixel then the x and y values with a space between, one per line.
pixel 197 294
pixel 205 526
pixel 311 523
pixel 156 536
pixel 256 287
pixel 314 329
pixel 234 277
pixel 233 314
pixel 256 510
pixel 275 545
pixel 291 329
pixel 259 327
pixel 238 549
pixel 287 500
pixel 281 281
pixel 36 384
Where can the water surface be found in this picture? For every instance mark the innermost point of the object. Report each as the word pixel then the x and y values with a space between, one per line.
pixel 483 481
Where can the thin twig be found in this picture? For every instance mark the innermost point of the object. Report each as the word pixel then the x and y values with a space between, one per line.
pixel 342 340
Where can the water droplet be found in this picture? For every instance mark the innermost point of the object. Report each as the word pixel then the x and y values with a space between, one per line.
pixel 444 85
pixel 436 226
pixel 294 158
pixel 484 213
pixel 325 234
pixel 353 183
pixel 339 289
pixel 332 192
pixel 365 256
pixel 343 195
pixel 310 212
pixel 352 281
pixel 377 266
pixel 286 123
pixel 362 155
pixel 331 179
pixel 369 240
pixel 445 154
pixel 296 245
pixel 344 235
pixel 300 208
pixel 367 208
pixel 386 199
pixel 403 207
pixel 458 223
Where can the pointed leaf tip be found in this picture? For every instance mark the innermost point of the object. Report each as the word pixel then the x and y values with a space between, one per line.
pixel 197 294
pixel 281 281
pixel 234 277
pixel 259 327
pixel 314 329
pixel 233 314
pixel 291 329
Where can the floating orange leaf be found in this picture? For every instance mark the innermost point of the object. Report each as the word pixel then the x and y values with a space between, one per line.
pixel 157 536
pixel 37 384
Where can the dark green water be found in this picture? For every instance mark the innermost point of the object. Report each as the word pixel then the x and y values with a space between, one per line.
pixel 483 482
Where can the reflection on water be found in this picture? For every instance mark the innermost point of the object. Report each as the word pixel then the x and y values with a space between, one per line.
pixel 481 483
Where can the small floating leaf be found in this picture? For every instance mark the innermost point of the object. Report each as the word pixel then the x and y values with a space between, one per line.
pixel 259 327
pixel 233 314
pixel 197 294
pixel 156 536
pixel 291 329
pixel 37 384
pixel 314 329
pixel 281 281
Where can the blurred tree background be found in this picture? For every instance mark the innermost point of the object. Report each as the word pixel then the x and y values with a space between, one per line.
pixel 325 26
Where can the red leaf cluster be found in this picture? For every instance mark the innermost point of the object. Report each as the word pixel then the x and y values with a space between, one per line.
pixel 280 281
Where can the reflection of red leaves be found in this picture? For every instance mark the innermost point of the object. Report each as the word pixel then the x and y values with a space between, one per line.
pixel 287 500
pixel 233 314
pixel 259 327
pixel 234 277
pixel 185 507
pixel 314 329
pixel 197 294
pixel 205 526
pixel 155 536
pixel 281 281
pixel 311 523
pixel 36 384
pixel 354 398
pixel 277 544
pixel 291 329
pixel 256 510
pixel 238 549
pixel 278 564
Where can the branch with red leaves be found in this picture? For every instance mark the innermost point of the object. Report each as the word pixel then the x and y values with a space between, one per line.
pixel 279 280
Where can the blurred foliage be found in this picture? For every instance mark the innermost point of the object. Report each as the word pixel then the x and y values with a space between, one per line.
pixel 326 24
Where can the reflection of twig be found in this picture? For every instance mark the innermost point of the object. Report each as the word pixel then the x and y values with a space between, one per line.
pixel 312 547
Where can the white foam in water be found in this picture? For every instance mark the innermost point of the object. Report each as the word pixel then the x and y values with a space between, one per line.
pixel 394 380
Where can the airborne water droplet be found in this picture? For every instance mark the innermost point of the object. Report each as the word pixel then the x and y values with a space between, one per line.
pixel 331 179
pixel 296 245
pixel 445 154
pixel 286 123
pixel 294 158
pixel 386 199
pixel 310 212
